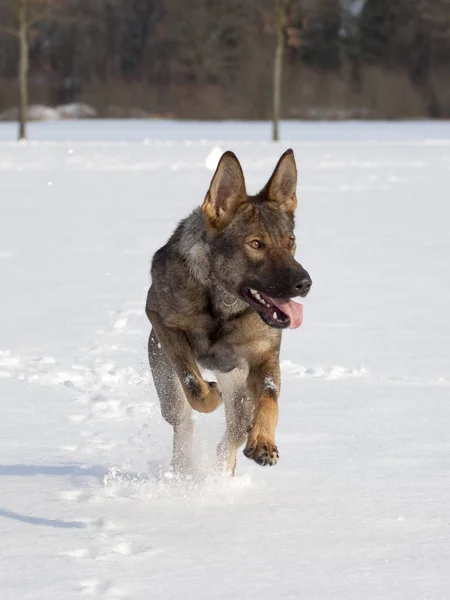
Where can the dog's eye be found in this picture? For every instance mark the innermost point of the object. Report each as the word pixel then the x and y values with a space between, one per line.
pixel 256 244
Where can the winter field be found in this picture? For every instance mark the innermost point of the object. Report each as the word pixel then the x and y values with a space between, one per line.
pixel 358 507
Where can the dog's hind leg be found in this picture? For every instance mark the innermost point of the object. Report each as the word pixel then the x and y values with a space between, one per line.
pixel 174 406
pixel 238 415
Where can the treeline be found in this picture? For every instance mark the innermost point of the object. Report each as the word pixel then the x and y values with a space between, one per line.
pixel 214 58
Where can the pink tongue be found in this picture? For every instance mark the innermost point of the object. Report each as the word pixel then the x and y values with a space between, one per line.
pixel 294 310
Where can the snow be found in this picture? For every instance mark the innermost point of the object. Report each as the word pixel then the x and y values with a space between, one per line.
pixel 76 110
pixel 36 112
pixel 212 160
pixel 357 506
pixel 269 383
pixel 39 112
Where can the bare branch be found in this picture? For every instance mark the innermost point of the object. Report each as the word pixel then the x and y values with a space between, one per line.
pixel 9 31
pixel 35 11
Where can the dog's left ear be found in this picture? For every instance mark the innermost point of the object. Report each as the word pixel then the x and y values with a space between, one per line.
pixel 282 185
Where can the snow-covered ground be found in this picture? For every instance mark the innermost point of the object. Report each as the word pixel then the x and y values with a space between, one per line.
pixel 358 506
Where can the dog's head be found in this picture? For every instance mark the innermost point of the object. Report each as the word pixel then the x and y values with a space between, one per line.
pixel 252 240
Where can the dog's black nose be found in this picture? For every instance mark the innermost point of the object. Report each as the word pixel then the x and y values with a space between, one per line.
pixel 304 286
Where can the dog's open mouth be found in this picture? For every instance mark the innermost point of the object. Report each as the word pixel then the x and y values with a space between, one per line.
pixel 276 312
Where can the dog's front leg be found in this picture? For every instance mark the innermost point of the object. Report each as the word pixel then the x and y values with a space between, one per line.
pixel 264 384
pixel 203 396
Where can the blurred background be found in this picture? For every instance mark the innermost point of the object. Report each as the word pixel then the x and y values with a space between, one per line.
pixel 214 59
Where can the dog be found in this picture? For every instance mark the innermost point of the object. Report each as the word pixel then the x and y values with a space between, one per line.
pixel 220 296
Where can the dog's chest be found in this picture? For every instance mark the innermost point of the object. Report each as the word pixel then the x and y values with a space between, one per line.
pixel 215 348
pixel 231 337
pixel 234 344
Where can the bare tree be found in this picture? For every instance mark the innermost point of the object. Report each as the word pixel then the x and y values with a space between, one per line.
pixel 436 15
pixel 26 14
pixel 281 17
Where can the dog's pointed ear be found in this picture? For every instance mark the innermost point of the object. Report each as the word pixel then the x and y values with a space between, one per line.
pixel 282 185
pixel 226 192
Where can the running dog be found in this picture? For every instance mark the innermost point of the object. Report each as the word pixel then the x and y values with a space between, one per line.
pixel 221 294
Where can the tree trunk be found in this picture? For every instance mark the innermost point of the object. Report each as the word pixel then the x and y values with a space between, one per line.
pixel 23 68
pixel 280 18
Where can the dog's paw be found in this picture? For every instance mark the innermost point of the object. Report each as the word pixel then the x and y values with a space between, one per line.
pixel 213 398
pixel 203 396
pixel 262 451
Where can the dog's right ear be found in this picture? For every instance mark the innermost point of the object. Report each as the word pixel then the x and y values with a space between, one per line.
pixel 226 192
